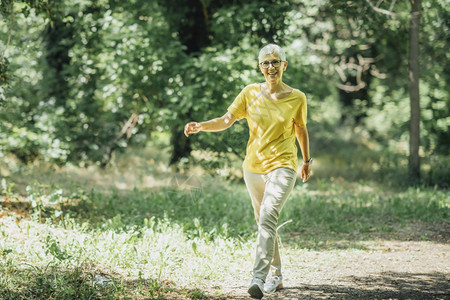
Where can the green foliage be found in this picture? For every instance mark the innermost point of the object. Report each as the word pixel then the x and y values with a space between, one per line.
pixel 7 188
pixel 197 294
pixel 3 73
pixel 95 56
pixel 82 79
pixel 6 8
pixel 357 44
pixel 50 282
pixel 7 11
pixel 259 22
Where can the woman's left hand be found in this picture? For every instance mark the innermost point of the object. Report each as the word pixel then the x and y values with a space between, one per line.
pixel 305 172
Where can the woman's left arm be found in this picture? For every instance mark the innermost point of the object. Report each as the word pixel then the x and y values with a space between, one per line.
pixel 303 140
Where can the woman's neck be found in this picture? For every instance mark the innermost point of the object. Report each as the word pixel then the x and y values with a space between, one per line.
pixel 277 92
pixel 273 88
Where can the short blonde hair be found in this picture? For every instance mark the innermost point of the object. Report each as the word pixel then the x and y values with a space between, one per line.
pixel 272 48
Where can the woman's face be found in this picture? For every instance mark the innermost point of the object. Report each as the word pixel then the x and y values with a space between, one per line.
pixel 273 74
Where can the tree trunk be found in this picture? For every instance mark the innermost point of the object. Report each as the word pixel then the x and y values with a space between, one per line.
pixel 414 127
pixel 181 145
pixel 190 20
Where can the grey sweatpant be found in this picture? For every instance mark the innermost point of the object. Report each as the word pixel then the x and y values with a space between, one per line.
pixel 269 193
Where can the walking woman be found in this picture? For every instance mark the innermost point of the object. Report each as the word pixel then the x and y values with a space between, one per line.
pixel 276 116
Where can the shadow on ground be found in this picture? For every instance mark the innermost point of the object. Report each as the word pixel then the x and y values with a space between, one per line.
pixel 379 286
pixel 383 286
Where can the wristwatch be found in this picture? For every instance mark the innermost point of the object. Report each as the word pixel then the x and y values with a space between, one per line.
pixel 309 162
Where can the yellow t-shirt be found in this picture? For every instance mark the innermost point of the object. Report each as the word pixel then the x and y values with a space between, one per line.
pixel 271 126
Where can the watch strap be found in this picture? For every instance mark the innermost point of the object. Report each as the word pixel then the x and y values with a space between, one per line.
pixel 309 162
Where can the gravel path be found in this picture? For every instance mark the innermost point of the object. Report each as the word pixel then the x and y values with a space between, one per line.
pixel 382 270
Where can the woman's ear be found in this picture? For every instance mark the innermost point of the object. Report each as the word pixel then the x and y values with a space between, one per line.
pixel 285 66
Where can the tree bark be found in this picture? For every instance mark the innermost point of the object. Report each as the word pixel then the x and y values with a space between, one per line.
pixel 414 128
pixel 181 145
pixel 191 20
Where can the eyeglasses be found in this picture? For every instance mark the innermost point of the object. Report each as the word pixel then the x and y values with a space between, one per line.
pixel 274 63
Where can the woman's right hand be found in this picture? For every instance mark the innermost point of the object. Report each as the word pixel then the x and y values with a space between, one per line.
pixel 192 127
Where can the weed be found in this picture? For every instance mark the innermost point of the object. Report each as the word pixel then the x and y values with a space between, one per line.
pixel 7 188
pixel 196 294
pixel 52 247
pixel 153 288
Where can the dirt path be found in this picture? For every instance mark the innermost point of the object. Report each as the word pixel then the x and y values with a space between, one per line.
pixel 383 270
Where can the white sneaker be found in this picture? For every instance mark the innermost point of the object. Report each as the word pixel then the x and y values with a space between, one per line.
pixel 273 284
pixel 256 288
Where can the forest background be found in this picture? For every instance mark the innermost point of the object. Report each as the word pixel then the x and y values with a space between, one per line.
pixel 81 80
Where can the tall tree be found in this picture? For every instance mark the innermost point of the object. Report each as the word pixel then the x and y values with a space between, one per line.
pixel 414 127
pixel 190 20
pixel 204 27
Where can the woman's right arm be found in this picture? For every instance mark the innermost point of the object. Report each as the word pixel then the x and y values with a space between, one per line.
pixel 217 124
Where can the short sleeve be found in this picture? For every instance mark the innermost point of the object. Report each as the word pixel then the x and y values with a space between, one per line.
pixel 302 112
pixel 239 106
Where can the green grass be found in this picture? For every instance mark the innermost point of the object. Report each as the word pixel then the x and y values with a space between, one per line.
pixel 339 213
pixel 156 235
